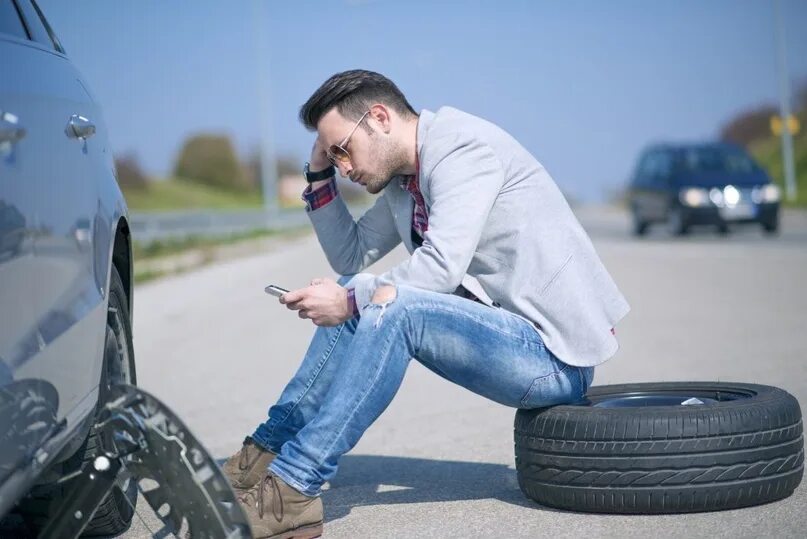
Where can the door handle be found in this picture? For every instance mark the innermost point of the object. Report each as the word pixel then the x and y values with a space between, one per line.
pixel 79 127
pixel 10 130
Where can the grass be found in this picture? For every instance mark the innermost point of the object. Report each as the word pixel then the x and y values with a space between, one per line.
pixel 173 246
pixel 147 256
pixel 180 194
pixel 768 152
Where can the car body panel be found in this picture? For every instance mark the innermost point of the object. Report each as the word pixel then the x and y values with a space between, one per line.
pixel 42 90
pixel 60 208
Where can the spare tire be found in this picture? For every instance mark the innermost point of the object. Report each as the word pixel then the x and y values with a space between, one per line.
pixel 671 447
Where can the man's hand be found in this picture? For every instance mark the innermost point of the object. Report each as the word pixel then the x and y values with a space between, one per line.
pixel 324 302
pixel 319 161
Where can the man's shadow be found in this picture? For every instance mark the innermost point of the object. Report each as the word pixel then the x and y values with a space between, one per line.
pixel 365 480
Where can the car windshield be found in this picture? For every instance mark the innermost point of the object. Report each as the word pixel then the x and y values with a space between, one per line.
pixel 716 160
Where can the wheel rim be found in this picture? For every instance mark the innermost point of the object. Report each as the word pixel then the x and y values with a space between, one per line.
pixel 118 370
pixel 118 364
pixel 673 397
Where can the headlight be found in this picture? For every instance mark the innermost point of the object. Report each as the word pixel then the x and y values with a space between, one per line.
pixel 716 196
pixel 766 193
pixel 731 195
pixel 694 197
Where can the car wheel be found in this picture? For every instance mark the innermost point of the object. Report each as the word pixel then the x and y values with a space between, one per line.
pixel 639 225
pixel 770 227
pixel 114 515
pixel 662 448
pixel 723 229
pixel 676 224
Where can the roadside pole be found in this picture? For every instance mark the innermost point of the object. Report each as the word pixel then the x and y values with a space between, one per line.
pixel 784 103
pixel 267 150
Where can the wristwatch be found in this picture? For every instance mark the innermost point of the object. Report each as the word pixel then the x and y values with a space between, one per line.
pixel 312 177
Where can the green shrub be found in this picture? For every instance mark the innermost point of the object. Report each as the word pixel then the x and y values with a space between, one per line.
pixel 210 160
pixel 130 175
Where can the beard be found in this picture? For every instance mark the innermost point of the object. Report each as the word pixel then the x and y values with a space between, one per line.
pixel 390 159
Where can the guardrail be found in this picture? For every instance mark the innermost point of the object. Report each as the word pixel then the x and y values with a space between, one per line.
pixel 148 227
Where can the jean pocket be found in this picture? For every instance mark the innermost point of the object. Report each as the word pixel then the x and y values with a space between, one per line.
pixel 561 387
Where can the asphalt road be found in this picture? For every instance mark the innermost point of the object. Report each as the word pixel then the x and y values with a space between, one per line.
pixel 439 461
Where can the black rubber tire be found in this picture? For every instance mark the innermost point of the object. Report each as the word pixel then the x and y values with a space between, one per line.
pixel 114 515
pixel 640 227
pixel 662 459
pixel 771 228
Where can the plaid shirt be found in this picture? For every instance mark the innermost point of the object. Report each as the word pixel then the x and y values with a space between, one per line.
pixel 420 219
pixel 317 198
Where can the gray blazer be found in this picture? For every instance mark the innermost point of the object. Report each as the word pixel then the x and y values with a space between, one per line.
pixel 498 225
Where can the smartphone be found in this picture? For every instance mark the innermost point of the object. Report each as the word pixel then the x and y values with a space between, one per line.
pixel 275 290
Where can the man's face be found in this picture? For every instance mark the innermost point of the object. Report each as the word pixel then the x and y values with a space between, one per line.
pixel 373 159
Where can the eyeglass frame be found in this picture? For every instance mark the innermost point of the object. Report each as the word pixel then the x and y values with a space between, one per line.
pixel 341 146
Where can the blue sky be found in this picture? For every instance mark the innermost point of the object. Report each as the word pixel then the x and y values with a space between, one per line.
pixel 584 85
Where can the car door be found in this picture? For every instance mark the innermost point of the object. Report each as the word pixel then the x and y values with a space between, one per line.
pixel 640 188
pixel 654 205
pixel 664 192
pixel 17 215
pixel 55 166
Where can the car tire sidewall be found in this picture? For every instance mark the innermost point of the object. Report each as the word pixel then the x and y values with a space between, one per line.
pixel 118 507
pixel 662 459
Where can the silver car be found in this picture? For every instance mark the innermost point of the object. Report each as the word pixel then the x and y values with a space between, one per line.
pixel 65 274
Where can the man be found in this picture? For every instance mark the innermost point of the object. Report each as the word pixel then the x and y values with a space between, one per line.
pixel 503 292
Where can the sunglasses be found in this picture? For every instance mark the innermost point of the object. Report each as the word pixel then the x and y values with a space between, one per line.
pixel 337 153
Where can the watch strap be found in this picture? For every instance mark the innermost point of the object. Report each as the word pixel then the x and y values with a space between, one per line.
pixel 311 177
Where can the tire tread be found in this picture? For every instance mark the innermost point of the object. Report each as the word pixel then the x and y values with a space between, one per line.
pixel 662 459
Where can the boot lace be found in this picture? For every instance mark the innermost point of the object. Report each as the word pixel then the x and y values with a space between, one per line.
pixel 257 494
pixel 243 457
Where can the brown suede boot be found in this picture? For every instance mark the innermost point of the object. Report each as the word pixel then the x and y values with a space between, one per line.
pixel 277 511
pixel 248 466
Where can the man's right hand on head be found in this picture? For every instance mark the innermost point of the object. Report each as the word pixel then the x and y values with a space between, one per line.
pixel 319 161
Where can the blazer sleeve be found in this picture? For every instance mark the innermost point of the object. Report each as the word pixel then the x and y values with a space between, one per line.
pixel 463 185
pixel 349 245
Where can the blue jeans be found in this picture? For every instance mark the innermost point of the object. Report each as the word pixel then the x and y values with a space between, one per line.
pixel 351 372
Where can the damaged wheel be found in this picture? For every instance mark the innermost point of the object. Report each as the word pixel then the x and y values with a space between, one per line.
pixel 662 448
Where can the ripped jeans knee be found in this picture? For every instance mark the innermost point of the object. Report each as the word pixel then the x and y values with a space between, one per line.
pixel 383 297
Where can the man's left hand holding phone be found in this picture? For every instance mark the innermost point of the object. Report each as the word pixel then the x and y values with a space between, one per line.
pixel 324 301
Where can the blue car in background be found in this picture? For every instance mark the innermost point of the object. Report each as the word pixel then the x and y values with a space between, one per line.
pixel 65 276
pixel 715 184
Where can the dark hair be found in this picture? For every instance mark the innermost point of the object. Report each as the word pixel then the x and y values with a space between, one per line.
pixel 352 93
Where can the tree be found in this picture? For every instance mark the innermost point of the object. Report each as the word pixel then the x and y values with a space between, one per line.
pixel 210 159
pixel 130 175
pixel 801 97
pixel 748 126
